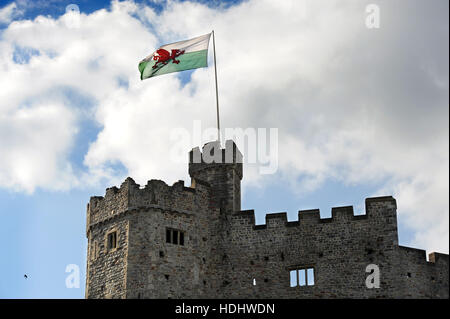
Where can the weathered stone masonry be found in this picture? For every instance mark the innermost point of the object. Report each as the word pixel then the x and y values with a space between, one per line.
pixel 195 242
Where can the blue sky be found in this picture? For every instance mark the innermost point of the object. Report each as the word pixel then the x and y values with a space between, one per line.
pixel 325 116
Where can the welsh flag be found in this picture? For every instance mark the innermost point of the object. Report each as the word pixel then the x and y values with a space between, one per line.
pixel 178 56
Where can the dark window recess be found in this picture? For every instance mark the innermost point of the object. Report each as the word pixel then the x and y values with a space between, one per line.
pixel 167 277
pixel 161 254
pixel 174 236
pixel 181 239
pixel 112 240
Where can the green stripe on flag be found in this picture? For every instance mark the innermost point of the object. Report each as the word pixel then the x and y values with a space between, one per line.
pixel 188 61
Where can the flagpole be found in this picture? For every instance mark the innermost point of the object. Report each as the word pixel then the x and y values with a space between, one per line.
pixel 217 91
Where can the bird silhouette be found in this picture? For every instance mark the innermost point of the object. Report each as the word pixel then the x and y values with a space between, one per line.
pixel 25 276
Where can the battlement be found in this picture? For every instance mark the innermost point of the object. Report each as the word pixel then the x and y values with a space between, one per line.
pixel 222 169
pixel 162 241
pixel 376 207
pixel 420 256
pixel 155 194
pixel 435 258
pixel 213 156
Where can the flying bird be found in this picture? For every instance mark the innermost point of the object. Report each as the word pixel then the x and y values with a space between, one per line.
pixel 25 276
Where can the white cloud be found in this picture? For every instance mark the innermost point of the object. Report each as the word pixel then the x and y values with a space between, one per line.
pixel 7 13
pixel 88 59
pixel 352 104
pixel 33 140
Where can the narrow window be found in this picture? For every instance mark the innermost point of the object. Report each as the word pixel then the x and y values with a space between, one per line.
pixel 181 238
pixel 168 235
pixel 95 249
pixel 310 276
pixel 302 277
pixel 293 274
pixel 112 240
pixel 175 237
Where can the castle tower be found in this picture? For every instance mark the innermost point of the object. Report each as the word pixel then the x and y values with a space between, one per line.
pixel 161 241
pixel 222 169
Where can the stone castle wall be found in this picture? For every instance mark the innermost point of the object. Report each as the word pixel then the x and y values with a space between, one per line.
pixel 225 255
pixel 338 248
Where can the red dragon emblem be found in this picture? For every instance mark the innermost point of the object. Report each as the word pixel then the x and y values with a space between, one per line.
pixel 163 56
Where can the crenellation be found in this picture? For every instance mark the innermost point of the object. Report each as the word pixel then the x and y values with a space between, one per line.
pixel 308 216
pixel 419 255
pixel 438 258
pixel 156 193
pixel 281 216
pixel 111 192
pixel 342 213
pixel 312 216
pixel 196 242
pixel 213 156
pixel 114 202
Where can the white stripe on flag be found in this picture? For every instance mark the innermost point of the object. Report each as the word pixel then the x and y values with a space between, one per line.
pixel 195 44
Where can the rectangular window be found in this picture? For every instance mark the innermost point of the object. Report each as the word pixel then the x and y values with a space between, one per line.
pixel 174 236
pixel 293 274
pixel 310 276
pixel 168 236
pixel 302 277
pixel 112 240
pixel 95 250
pixel 181 239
